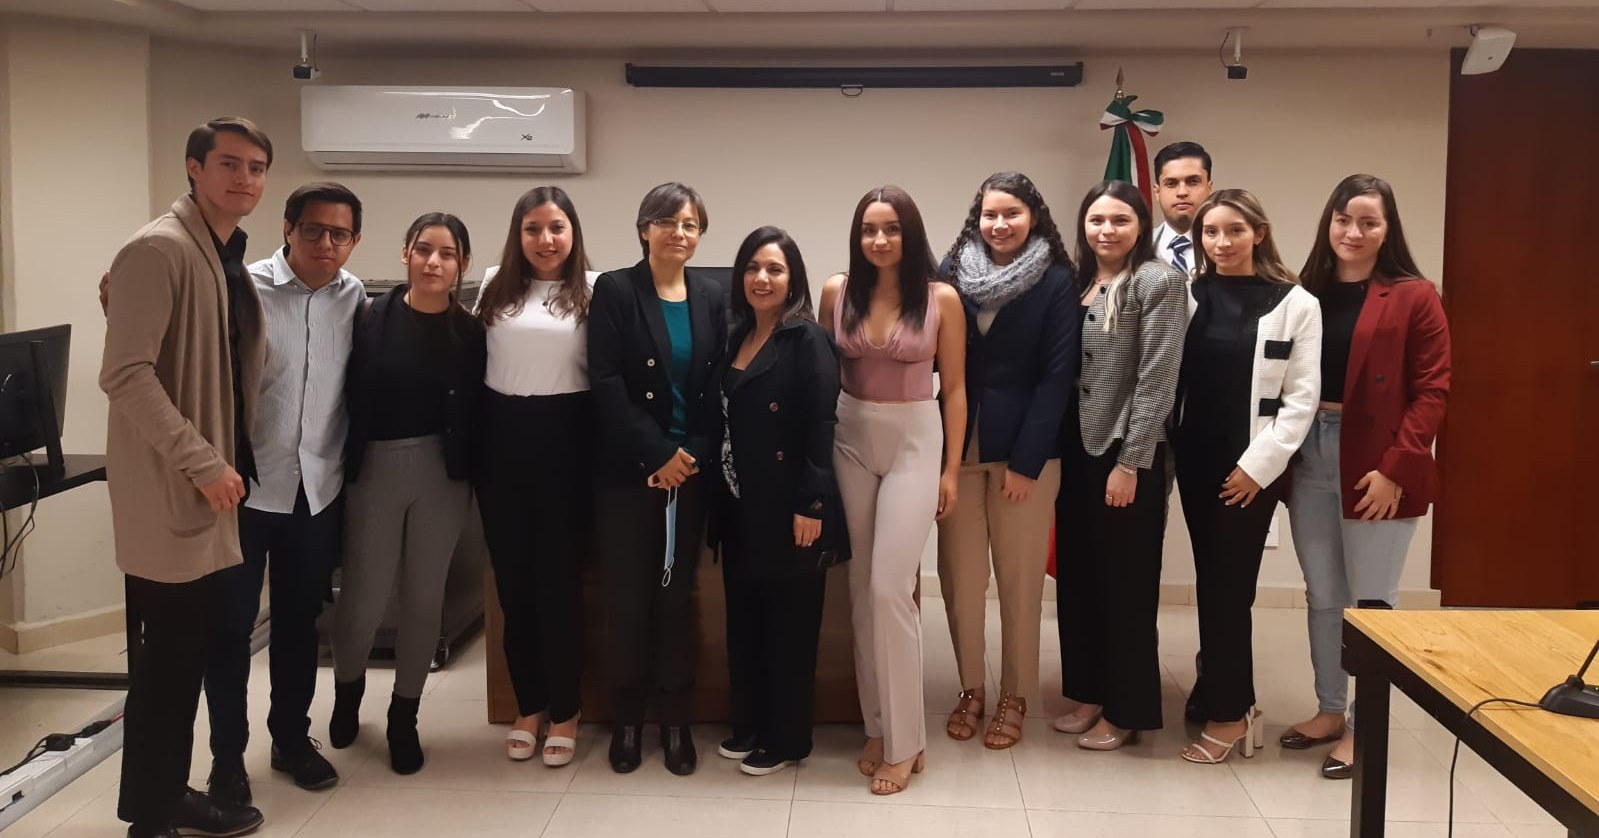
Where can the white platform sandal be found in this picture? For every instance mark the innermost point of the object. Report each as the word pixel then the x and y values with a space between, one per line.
pixel 1253 738
pixel 520 745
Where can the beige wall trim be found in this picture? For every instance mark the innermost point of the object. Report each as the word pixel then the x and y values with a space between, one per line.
pixel 1266 596
pixel 22 638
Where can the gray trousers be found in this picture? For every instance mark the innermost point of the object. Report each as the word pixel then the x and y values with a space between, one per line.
pixel 402 520
pixel 1345 562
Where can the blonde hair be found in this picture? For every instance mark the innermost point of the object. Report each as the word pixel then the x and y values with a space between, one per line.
pixel 1267 263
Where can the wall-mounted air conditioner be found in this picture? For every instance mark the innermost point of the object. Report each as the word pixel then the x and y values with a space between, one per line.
pixel 443 129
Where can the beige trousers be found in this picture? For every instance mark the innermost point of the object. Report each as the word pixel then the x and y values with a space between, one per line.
pixel 887 458
pixel 984 523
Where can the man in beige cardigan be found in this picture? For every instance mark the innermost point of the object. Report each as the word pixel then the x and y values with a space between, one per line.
pixel 183 354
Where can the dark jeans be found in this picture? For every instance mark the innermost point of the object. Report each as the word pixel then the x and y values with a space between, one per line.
pixel 172 631
pixel 535 497
pixel 773 626
pixel 651 631
pixel 1108 564
pixel 299 548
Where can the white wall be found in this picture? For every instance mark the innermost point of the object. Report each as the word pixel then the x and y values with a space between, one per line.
pixel 75 186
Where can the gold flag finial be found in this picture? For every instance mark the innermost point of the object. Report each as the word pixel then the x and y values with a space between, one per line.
pixel 1119 94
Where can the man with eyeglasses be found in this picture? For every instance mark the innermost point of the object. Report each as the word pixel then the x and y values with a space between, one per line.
pixel 292 515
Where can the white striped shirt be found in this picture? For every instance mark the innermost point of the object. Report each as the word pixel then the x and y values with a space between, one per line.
pixel 300 421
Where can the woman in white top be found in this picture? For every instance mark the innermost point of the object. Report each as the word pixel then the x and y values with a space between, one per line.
pixel 533 485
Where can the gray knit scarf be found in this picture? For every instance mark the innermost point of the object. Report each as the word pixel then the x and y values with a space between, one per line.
pixel 992 286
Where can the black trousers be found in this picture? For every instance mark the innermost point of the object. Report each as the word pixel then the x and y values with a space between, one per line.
pixel 298 549
pixel 1108 567
pixel 652 637
pixel 535 495
pixel 1228 544
pixel 172 632
pixel 773 626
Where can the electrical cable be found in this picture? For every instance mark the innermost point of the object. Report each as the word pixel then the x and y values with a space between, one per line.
pixel 55 742
pixel 1454 760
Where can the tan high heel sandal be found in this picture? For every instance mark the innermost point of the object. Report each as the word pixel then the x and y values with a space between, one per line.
pixel 895 785
pixel 962 724
pixel 1005 731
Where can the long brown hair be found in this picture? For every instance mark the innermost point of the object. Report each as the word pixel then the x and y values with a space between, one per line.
pixel 507 293
pixel 1267 263
pixel 1393 258
pixel 917 267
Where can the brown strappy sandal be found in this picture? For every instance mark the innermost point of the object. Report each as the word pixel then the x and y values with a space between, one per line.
pixel 1006 729
pixel 962 724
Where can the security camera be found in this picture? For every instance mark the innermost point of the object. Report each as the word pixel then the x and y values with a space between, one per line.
pixel 1236 71
pixel 306 70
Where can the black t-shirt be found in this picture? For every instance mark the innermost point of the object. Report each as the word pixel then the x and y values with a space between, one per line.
pixel 1219 365
pixel 410 382
pixel 1340 311
pixel 231 254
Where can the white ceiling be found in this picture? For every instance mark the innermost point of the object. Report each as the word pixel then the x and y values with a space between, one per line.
pixel 647 28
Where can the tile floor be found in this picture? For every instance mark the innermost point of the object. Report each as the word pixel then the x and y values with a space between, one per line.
pixel 1044 788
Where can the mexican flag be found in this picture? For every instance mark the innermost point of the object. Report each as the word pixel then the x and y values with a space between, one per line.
pixel 1129 156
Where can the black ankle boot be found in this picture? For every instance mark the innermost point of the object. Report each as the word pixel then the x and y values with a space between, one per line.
pixel 627 748
pixel 678 743
pixel 405 749
pixel 346 719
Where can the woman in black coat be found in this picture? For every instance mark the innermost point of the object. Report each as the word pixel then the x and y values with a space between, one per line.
pixel 656 336
pixel 778 517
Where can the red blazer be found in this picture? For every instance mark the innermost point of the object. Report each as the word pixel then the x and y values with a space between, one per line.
pixel 1394 393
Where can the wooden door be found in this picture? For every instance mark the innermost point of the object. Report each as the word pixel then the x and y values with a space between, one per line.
pixel 1518 520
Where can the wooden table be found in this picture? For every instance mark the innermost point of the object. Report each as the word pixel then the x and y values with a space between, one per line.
pixel 1447 662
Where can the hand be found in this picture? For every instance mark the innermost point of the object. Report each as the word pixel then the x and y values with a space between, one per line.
pixel 675 473
pixel 1120 488
pixel 1016 487
pixel 1239 488
pixel 105 292
pixel 225 492
pixel 1382 497
pixel 946 494
pixel 806 531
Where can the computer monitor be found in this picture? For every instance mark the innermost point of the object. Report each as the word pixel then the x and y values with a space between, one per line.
pixel 33 391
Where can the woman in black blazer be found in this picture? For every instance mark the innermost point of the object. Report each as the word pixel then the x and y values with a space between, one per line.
pixel 1022 349
pixel 779 521
pixel 413 390
pixel 655 338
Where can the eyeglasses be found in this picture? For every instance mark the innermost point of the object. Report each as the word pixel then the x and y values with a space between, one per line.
pixel 689 228
pixel 338 235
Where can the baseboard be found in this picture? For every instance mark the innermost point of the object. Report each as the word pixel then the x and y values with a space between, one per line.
pixel 1266 596
pixel 22 638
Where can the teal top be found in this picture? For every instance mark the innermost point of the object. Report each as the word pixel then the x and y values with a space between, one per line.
pixel 681 336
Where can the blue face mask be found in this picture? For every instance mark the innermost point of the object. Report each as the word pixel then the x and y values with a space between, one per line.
pixel 671 538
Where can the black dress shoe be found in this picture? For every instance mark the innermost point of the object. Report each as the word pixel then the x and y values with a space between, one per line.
pixel 199 815
pixel 137 831
pixel 310 770
pixel 627 748
pixel 228 784
pixel 678 743
pixel 737 747
pixel 1334 769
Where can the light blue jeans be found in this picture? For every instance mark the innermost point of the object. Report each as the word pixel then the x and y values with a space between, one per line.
pixel 1345 562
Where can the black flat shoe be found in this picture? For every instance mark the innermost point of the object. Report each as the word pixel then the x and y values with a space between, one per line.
pixel 1294 740
pixel 737 747
pixel 1334 769
pixel 761 763
pixel 627 748
pixel 678 743
pixel 229 784
pixel 405 746
pixel 310 770
pixel 199 815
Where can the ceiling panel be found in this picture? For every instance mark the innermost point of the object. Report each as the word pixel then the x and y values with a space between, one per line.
pixel 799 5
pixel 977 6
pixel 634 6
pixel 439 6
pixel 267 5
pixel 1351 4
pixel 1165 4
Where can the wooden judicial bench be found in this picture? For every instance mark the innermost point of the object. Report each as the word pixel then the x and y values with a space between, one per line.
pixel 835 664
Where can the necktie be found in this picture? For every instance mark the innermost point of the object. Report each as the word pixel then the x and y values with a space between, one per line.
pixel 1179 253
